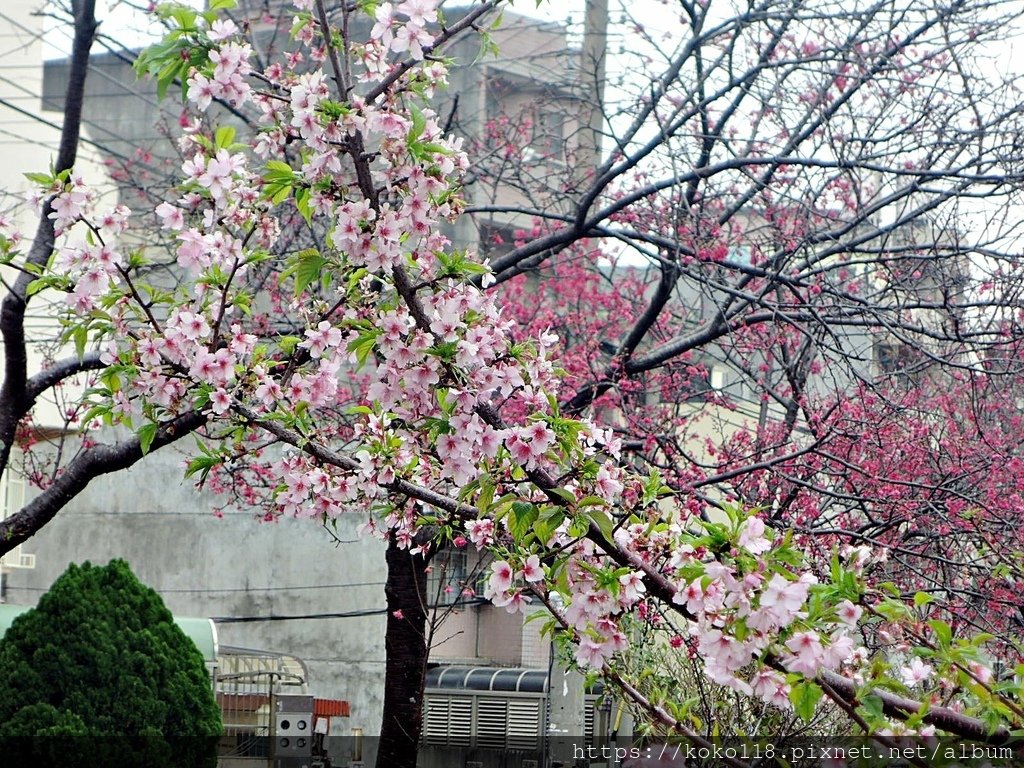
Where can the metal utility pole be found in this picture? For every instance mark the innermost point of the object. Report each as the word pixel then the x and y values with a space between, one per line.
pixel 567 720
pixel 567 726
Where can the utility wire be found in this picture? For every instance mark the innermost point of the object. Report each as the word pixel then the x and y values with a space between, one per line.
pixel 254 590
pixel 318 616
pixel 298 617
pixel 56 127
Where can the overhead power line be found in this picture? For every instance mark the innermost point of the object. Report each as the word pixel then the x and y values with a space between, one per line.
pixel 56 127
pixel 299 617
pixel 318 616
pixel 251 590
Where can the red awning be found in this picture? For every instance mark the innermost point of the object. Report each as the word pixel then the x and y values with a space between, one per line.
pixel 330 708
pixel 250 702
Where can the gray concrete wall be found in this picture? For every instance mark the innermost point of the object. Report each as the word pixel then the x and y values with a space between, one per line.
pixel 234 566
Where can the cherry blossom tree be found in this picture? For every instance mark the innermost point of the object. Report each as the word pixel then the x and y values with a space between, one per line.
pixel 795 176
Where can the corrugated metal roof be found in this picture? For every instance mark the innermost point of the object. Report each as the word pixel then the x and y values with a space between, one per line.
pixel 498 679
pixel 518 679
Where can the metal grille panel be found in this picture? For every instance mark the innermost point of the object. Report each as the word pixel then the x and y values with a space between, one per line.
pixel 491 723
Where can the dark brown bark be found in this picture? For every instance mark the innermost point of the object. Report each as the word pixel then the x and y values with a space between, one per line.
pixel 406 652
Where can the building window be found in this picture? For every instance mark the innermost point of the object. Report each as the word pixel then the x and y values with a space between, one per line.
pixel 456 578
pixel 12 499
pixel 898 360
pixel 548 132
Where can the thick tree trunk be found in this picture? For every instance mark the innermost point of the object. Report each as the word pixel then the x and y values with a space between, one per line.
pixel 406 649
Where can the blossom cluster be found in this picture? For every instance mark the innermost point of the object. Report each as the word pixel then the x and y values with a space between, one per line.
pixel 86 254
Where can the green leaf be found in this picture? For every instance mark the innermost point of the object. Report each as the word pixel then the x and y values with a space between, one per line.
pixel 146 434
pixel 943 633
pixel 545 529
pixel 873 705
pixel 280 168
pixel 654 488
pixel 892 610
pixel 81 337
pixel 185 17
pixel 288 343
pixel 37 285
pixel 486 496
pixel 565 494
pixel 279 192
pixel 95 412
pixel 363 345
pixel 446 350
pixel 224 137
pixel 303 205
pixel 437 149
pixel 43 179
pixel 923 598
pixel 309 267
pixel 419 123
pixel 603 521
pixel 992 720
pixel 521 518
pixel 201 465
pixel 222 5
pixel 805 696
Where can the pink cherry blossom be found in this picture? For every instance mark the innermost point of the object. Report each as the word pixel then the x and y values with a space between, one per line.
pixel 752 536
pixel 848 613
pixel 916 672
pixel 501 576
pixel 808 655
pixel 532 570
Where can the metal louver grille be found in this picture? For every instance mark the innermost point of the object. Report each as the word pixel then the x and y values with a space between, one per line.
pixel 448 721
pixel 436 720
pixel 491 723
pixel 487 720
pixel 588 722
pixel 524 724
pixel 460 721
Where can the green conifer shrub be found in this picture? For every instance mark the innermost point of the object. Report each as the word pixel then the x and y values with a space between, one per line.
pixel 98 674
